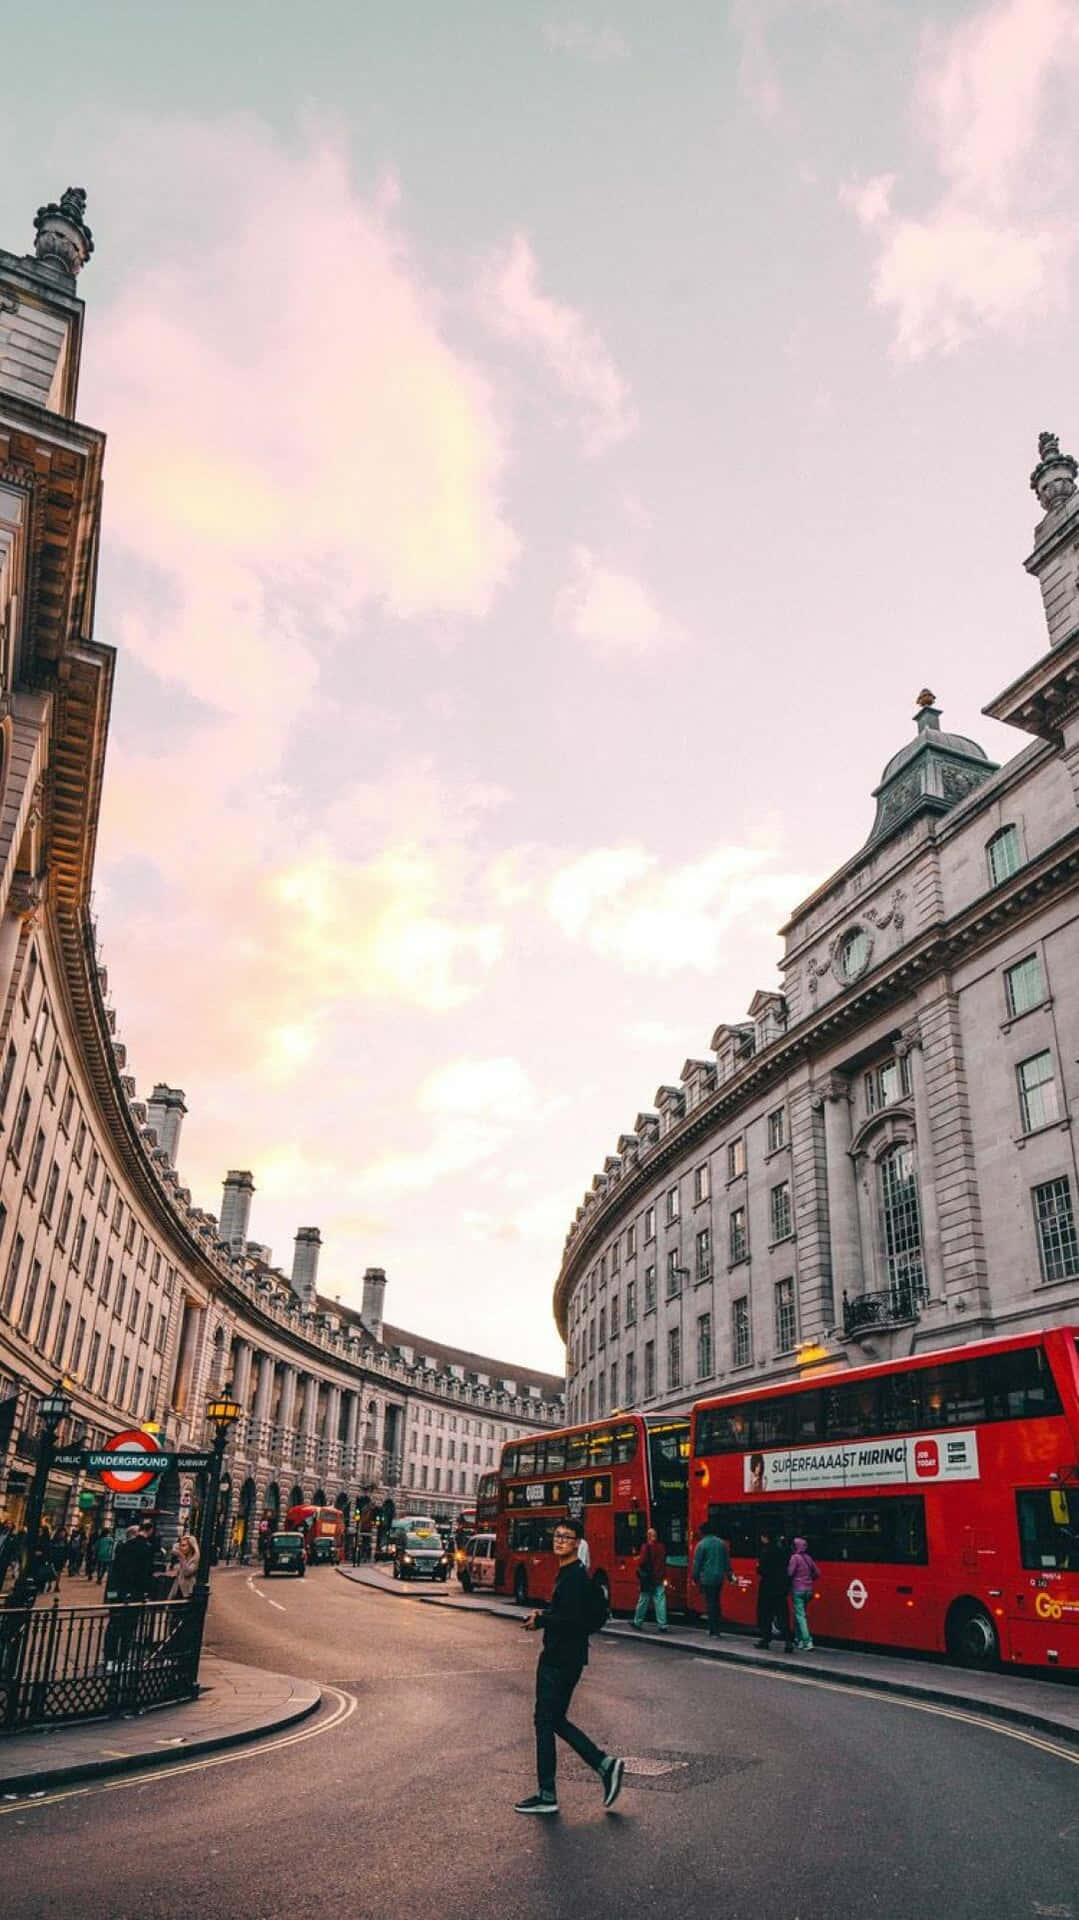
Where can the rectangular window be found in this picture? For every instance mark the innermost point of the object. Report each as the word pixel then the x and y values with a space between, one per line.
pixel 30 1299
pixel 8 1075
pixel 144 1248
pixel 133 1312
pixel 106 1283
pixel 61 1334
pixel 591 1339
pixel 672 1204
pixel 614 1316
pixel 785 1328
pixel 41 1029
pixel 92 1171
pixel 121 1384
pixel 67 1110
pixel 616 1257
pixel 136 1398
pixel 631 1302
pixel 54 1072
pixel 80 1241
pixel 1037 1092
pixel 65 1219
pixel 46 1314
pixel 777 1129
pixel 31 978
pixel 35 1160
pixel 155 1270
pixel 162 1330
pixel 118 1305
pixel 21 1119
pixel 1024 986
pixel 95 1255
pixel 741 1342
pixel 106 1382
pixel 129 1237
pixel 603 1326
pixel 631 1378
pixel 704 1346
pixel 91 1364
pixel 80 1337
pixel 147 1320
pixel 650 1223
pixel 674 1274
pixel 11 1279
pixel 649 1369
pixel 779 1210
pixel 1003 855
pixel 106 1193
pixel 736 1158
pixel 631 1242
pixel 738 1242
pixel 614 1383
pixel 80 1142
pixel 702 1183
pixel 118 1215
pixel 704 1254
pixel 649 1289
pixel 49 1201
pixel 674 1357
pixel 1058 1245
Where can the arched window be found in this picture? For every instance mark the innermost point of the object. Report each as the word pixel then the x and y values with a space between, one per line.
pixel 901 1225
pixel 1004 855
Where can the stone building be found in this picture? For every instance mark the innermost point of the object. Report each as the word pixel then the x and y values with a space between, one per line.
pixel 880 1158
pixel 109 1274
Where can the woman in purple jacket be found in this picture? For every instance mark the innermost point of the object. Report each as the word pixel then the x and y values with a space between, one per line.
pixel 802 1572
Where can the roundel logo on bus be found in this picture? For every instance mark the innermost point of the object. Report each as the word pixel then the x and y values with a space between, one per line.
pixel 926 1459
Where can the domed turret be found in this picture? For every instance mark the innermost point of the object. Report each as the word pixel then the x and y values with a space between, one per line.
pixel 930 774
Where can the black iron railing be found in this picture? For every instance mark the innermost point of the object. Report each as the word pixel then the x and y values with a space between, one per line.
pixel 85 1663
pixel 890 1307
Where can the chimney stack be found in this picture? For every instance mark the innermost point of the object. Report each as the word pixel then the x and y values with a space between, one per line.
pixel 374 1289
pixel 305 1263
pixel 165 1113
pixel 235 1208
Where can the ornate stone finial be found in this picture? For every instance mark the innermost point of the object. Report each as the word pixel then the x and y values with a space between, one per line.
pixel 64 242
pixel 926 699
pixel 1053 479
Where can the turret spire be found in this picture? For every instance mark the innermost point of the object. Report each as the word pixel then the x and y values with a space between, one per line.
pixel 64 242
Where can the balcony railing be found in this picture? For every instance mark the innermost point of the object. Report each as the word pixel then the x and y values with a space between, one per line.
pixel 888 1307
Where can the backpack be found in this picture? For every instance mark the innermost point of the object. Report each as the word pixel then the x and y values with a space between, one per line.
pixel 599 1606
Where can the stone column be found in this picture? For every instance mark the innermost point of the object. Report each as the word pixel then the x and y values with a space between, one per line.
pixel 309 1418
pixel 264 1390
pixel 287 1414
pixel 241 1373
pixel 843 1227
pixel 352 1432
pixel 333 1414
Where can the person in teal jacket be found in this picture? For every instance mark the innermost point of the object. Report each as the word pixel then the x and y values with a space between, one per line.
pixel 711 1567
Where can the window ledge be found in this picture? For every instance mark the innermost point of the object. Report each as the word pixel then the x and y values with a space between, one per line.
pixel 704 1200
pixel 741 1366
pixel 1040 1006
pixel 784 1241
pixel 742 1261
pixel 733 1179
pixel 774 1152
pixel 1051 1126
pixel 703 1279
pixel 1065 1280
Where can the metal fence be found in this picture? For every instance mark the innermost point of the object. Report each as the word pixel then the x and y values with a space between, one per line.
pixel 85 1663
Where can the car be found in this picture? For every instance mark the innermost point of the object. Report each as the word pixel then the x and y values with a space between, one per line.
pixel 284 1553
pixel 420 1555
pixel 478 1566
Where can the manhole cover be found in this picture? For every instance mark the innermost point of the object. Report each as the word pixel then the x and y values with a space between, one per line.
pixel 680 1772
pixel 651 1769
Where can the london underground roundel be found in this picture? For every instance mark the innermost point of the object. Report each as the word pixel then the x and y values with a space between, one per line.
pixel 130 1445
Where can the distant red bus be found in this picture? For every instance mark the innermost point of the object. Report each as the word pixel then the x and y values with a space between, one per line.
pixel 323 1529
pixel 939 1496
pixel 620 1476
pixel 488 1501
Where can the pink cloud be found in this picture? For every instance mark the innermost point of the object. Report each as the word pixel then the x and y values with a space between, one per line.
pixel 514 307
pixel 612 611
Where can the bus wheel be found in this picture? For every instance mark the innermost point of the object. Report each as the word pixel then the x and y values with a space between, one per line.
pixel 972 1638
pixel 520 1588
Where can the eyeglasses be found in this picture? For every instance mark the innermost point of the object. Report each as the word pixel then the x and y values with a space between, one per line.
pixel 563 1533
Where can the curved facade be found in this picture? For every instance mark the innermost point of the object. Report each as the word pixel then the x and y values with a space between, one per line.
pixel 108 1273
pixel 881 1157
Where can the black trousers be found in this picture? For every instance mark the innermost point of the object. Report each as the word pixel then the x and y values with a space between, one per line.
pixel 554 1691
pixel 773 1614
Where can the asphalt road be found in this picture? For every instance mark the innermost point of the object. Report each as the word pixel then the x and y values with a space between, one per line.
pixel 754 1794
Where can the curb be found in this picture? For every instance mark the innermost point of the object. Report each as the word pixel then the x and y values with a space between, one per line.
pixel 851 1682
pixel 46 1777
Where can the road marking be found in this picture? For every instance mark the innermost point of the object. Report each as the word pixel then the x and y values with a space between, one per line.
pixel 346 1707
pixel 897 1700
pixel 257 1591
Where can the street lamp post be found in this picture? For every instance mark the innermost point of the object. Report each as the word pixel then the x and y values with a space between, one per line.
pixel 223 1413
pixel 52 1410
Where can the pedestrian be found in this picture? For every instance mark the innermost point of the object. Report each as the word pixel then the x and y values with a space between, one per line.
pixel 773 1585
pixel 130 1577
pixel 566 1621
pixel 184 1564
pixel 75 1548
pixel 103 1552
pixel 58 1555
pixel 711 1567
pixel 804 1574
pixel 652 1581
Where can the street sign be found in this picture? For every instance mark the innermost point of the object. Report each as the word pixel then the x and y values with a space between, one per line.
pixel 134 1445
pixel 134 1502
pixel 151 1465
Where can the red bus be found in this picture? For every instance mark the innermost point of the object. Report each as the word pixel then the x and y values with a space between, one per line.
pixel 488 1501
pixel 620 1476
pixel 939 1496
pixel 323 1529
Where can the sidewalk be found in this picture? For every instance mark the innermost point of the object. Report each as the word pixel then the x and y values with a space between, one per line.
pixel 1049 1704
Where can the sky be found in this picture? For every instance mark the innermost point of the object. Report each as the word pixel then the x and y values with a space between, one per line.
pixel 549 449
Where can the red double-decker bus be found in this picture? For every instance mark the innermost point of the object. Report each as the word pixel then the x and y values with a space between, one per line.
pixel 620 1476
pixel 939 1496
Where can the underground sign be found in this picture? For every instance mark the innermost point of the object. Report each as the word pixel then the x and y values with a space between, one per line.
pixel 130 1445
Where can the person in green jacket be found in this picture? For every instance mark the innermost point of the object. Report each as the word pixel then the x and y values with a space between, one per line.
pixel 711 1567
pixel 103 1554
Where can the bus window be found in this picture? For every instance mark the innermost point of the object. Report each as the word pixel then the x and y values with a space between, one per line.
pixel 1049 1530
pixel 577 1453
pixel 600 1450
pixel 556 1455
pixel 509 1462
pixel 625 1446
pixel 629 1532
pixel 526 1460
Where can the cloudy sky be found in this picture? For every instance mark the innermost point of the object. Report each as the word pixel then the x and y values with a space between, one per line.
pixel 549 449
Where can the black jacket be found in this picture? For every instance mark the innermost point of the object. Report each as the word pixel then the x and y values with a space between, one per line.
pixel 132 1570
pixel 772 1568
pixel 565 1618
